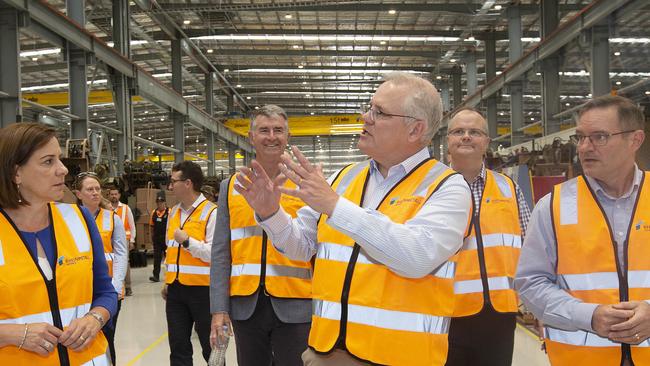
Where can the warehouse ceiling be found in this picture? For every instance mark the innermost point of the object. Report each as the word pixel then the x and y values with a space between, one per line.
pixel 321 58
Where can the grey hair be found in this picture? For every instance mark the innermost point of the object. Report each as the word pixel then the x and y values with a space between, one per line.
pixel 422 101
pixel 269 111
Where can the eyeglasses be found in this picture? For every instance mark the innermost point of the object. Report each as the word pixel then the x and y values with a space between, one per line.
pixel 376 114
pixel 472 132
pixel 598 138
pixel 80 177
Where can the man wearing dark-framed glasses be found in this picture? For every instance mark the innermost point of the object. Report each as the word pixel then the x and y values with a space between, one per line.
pixel 583 269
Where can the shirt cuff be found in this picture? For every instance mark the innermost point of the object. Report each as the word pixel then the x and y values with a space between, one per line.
pixel 276 223
pixel 582 314
pixel 345 216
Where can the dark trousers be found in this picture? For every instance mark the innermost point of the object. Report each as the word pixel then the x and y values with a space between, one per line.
pixel 264 340
pixel 159 248
pixel 187 306
pixel 109 332
pixel 484 339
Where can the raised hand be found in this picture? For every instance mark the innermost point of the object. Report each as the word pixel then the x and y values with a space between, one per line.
pixel 261 193
pixel 313 189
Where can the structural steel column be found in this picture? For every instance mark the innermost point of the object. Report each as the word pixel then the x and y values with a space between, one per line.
pixel 550 70
pixel 177 84
pixel 209 136
pixel 232 163
pixel 600 59
pixel 78 89
pixel 456 88
pixel 516 87
pixel 436 146
pixel 491 73
pixel 10 105
pixel 444 94
pixel 472 83
pixel 643 155
pixel 230 103
pixel 120 83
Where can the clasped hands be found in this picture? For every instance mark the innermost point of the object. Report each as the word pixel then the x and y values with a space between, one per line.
pixel 42 338
pixel 263 193
pixel 626 322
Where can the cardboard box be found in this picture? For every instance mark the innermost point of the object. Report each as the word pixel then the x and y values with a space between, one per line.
pixel 143 237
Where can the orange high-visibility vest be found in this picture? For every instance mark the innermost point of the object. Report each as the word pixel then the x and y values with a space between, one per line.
pixel 362 305
pixel 255 261
pixel 27 297
pixel 486 266
pixel 105 223
pixel 181 264
pixel 121 211
pixel 587 261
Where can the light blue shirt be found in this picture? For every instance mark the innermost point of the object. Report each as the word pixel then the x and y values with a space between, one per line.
pixel 413 249
pixel 537 280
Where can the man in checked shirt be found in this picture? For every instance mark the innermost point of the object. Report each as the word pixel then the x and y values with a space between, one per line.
pixel 482 330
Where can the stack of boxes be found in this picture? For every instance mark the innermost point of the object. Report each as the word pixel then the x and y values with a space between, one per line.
pixel 145 204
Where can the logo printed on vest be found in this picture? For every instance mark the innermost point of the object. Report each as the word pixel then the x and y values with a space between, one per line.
pixel 393 200
pixel 641 225
pixel 72 261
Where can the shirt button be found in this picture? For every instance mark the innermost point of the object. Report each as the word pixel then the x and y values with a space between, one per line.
pixel 620 233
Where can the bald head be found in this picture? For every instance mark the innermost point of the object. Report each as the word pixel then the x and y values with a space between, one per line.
pixel 471 116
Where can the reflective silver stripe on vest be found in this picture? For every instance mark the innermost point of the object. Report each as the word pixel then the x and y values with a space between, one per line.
pixel 503 184
pixel 206 211
pixel 349 177
pixel 106 220
pixel 77 229
pixel 605 280
pixel 382 318
pixel 494 240
pixel 101 360
pixel 473 286
pixel 67 315
pixel 342 253
pixel 108 256
pixel 271 271
pixel 434 173
pixel 2 256
pixel 172 243
pixel 569 202
pixel 198 270
pixel 245 232
pixel 582 338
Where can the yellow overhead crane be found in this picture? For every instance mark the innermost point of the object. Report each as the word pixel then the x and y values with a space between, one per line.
pixel 345 124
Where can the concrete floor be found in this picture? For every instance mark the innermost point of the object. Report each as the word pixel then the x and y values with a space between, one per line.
pixel 141 338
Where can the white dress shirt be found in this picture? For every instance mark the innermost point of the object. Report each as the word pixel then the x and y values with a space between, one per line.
pixel 199 249
pixel 413 249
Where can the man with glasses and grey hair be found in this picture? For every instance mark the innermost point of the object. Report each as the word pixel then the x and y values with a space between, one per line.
pixel 482 331
pixel 382 231
pixel 266 295
pixel 584 268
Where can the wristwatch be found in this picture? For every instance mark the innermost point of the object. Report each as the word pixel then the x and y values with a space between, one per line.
pixel 186 243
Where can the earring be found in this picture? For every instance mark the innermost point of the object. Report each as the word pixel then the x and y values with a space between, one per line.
pixel 20 197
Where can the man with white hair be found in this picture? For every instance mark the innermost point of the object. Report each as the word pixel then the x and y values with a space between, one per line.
pixel 382 231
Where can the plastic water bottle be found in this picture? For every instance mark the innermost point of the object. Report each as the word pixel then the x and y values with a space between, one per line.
pixel 218 354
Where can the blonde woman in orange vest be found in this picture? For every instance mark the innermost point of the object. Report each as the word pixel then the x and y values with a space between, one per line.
pixel 126 215
pixel 382 230
pixel 56 292
pixel 584 268
pixel 486 302
pixel 87 188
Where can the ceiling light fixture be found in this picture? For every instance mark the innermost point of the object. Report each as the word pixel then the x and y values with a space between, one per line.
pixel 288 16
pixel 392 11
pixel 210 50
pixel 186 22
